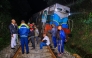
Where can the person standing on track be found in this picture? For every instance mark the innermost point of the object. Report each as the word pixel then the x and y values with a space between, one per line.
pixel 24 32
pixel 53 32
pixel 32 26
pixel 61 39
pixel 36 33
pixel 32 37
pixel 17 34
pixel 14 32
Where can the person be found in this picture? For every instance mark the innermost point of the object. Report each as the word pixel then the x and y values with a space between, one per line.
pixel 14 32
pixel 53 32
pixel 36 33
pixel 32 36
pixel 17 34
pixel 24 32
pixel 45 41
pixel 32 26
pixel 61 39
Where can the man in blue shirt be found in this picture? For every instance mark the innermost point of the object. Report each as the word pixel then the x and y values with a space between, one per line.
pixel 53 32
pixel 24 32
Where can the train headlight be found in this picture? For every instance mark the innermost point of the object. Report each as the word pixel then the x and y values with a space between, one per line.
pixel 69 13
pixel 56 9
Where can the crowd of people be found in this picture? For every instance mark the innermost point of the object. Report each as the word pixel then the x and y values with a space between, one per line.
pixel 30 32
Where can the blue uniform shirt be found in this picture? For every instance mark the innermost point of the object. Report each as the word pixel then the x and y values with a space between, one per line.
pixel 53 31
pixel 62 35
pixel 23 30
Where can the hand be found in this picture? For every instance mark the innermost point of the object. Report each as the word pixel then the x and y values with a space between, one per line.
pixel 12 35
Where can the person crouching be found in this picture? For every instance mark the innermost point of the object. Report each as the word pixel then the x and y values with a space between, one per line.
pixel 45 41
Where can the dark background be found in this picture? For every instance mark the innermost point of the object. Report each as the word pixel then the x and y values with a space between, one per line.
pixel 24 9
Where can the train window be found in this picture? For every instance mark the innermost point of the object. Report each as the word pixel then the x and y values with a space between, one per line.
pixel 59 9
pixel 48 18
pixel 67 11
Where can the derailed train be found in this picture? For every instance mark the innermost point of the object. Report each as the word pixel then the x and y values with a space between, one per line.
pixel 56 14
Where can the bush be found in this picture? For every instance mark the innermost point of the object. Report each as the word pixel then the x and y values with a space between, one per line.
pixel 81 42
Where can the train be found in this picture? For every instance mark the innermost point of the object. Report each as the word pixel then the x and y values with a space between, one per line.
pixel 56 14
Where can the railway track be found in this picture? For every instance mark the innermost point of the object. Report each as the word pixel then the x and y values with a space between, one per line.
pixel 46 52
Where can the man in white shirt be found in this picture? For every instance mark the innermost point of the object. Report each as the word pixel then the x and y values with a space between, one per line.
pixel 45 41
pixel 14 31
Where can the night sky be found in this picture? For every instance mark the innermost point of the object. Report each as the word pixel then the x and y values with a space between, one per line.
pixel 24 9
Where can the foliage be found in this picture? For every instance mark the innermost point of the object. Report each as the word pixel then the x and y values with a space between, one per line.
pixel 5 18
pixel 81 41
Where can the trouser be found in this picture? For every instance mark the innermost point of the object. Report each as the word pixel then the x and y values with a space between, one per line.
pixel 37 39
pixel 17 38
pixel 13 41
pixel 33 41
pixel 24 41
pixel 42 44
pixel 54 41
pixel 61 46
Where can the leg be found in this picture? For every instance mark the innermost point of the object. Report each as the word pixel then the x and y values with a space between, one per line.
pixel 15 37
pixel 22 44
pixel 62 47
pixel 33 42
pixel 37 39
pixel 59 47
pixel 42 44
pixel 26 43
pixel 54 42
pixel 12 42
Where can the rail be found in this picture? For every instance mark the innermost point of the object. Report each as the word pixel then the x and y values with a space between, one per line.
pixel 48 48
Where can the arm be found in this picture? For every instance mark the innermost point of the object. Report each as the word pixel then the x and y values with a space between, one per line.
pixel 37 31
pixel 10 27
pixel 43 39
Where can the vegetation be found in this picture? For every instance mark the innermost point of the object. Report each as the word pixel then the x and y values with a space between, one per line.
pixel 81 40
pixel 5 18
